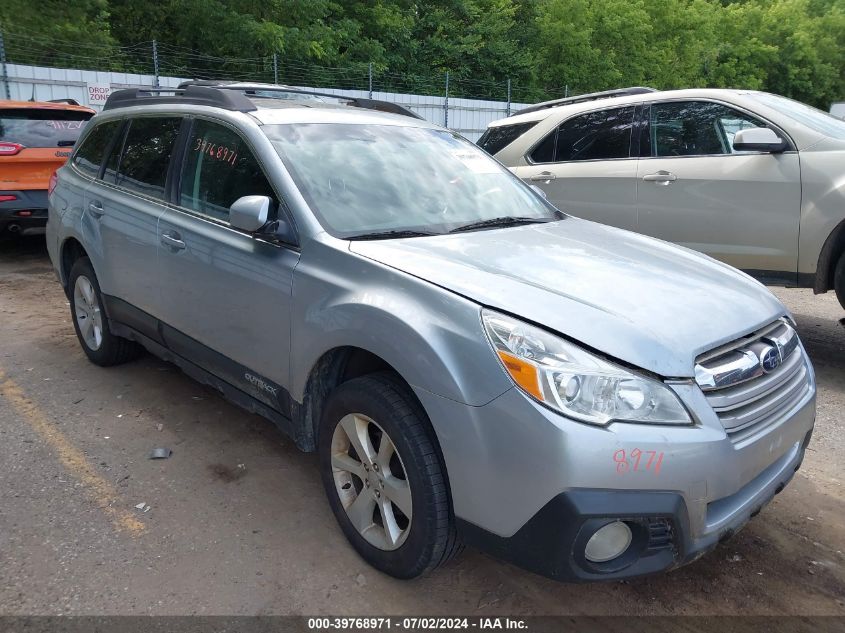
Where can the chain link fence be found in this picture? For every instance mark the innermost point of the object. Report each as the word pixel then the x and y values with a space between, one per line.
pixel 160 59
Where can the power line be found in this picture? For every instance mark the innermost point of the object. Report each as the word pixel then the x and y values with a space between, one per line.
pixel 183 62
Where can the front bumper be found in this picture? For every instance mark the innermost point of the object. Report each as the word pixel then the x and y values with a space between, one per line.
pixel 530 485
pixel 553 541
pixel 26 214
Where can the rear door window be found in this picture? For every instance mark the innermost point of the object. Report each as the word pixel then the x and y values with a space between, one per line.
pixel 596 136
pixel 147 148
pixel 42 127
pixel 600 135
pixel 544 151
pixel 89 156
pixel 218 169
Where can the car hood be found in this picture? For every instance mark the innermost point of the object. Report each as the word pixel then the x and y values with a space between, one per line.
pixel 643 301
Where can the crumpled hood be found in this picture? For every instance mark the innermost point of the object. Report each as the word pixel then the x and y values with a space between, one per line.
pixel 643 301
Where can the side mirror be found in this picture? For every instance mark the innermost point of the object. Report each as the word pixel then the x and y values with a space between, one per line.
pixel 279 231
pixel 249 213
pixel 758 139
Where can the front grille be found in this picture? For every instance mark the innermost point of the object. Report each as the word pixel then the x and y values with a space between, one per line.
pixel 744 391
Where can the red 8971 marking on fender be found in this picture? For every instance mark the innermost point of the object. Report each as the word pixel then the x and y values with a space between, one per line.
pixel 638 461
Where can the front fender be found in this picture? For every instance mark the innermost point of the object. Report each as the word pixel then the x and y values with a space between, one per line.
pixel 431 336
pixel 822 213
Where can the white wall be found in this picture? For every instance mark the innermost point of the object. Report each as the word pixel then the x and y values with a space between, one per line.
pixel 466 116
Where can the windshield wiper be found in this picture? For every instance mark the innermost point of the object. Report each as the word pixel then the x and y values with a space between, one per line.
pixel 388 235
pixel 507 220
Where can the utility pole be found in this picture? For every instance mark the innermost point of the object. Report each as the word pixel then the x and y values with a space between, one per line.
pixel 275 68
pixel 6 89
pixel 509 98
pixel 371 79
pixel 446 103
pixel 155 63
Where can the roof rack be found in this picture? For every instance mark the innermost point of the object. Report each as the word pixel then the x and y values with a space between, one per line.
pixel 355 102
pixel 592 96
pixel 234 97
pixel 194 95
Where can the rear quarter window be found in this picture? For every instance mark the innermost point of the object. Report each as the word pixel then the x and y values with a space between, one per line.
pixel 42 127
pixel 498 138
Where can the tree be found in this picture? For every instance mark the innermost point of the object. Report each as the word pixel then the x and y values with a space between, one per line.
pixel 792 47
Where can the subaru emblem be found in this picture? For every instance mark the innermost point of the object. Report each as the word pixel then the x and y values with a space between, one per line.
pixel 770 359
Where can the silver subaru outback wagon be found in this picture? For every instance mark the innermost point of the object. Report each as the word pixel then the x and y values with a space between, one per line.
pixel 472 365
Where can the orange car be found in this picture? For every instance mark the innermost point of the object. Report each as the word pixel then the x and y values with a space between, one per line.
pixel 35 140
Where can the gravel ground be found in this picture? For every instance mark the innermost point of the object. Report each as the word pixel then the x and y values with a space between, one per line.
pixel 238 524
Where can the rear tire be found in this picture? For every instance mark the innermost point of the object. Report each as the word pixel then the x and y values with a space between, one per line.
pixel 839 280
pixel 393 503
pixel 89 319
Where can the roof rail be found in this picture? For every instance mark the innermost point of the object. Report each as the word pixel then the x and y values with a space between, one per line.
pixel 356 102
pixel 195 95
pixel 592 96
pixel 234 97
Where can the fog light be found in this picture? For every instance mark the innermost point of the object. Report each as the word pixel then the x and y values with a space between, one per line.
pixel 608 542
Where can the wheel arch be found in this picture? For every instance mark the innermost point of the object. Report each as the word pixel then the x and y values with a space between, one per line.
pixel 333 368
pixel 833 249
pixel 70 251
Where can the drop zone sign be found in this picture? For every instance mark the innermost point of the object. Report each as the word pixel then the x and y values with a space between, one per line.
pixel 98 93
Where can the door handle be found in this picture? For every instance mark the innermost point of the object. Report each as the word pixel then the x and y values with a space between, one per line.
pixel 171 240
pixel 96 208
pixel 661 177
pixel 542 177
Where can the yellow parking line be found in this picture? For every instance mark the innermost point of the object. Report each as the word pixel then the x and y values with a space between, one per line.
pixel 101 491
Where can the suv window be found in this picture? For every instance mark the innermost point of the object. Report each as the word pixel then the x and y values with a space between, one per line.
pixel 146 154
pixel 497 138
pixel 219 168
pixel 597 135
pixel 813 118
pixel 42 127
pixel 89 156
pixel 695 128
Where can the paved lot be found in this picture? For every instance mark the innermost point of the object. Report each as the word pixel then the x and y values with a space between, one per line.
pixel 238 523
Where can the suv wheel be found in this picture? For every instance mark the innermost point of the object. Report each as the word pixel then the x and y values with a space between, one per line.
pixel 384 477
pixel 89 320
pixel 839 280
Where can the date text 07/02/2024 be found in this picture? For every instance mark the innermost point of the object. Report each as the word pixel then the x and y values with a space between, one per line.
pixel 415 623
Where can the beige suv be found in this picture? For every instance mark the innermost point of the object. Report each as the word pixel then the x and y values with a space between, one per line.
pixel 750 178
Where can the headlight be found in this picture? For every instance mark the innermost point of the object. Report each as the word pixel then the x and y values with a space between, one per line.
pixel 575 382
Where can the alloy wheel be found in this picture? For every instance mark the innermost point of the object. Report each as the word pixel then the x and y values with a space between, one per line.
pixel 371 481
pixel 87 311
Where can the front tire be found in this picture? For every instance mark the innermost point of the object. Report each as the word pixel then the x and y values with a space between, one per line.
pixel 384 477
pixel 839 280
pixel 89 319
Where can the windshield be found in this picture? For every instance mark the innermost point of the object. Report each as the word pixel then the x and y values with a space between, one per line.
pixel 382 179
pixel 815 119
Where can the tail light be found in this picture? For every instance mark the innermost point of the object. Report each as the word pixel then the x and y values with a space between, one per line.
pixel 52 185
pixel 10 149
pixel 7 198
